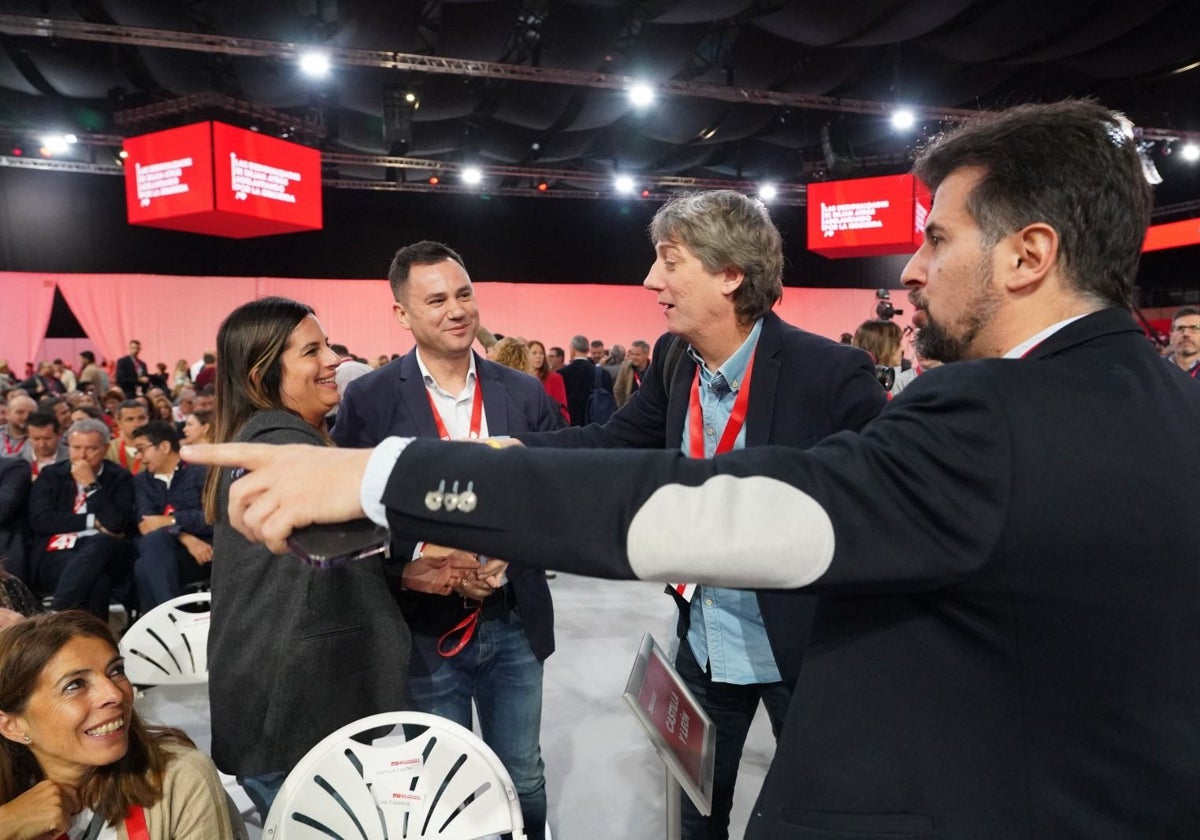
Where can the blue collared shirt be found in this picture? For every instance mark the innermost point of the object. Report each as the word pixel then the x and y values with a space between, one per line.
pixel 727 628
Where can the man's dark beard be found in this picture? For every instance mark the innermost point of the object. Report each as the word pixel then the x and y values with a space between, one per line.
pixel 933 342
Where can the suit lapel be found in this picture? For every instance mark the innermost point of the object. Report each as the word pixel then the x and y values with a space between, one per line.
pixel 764 381
pixel 413 401
pixel 495 398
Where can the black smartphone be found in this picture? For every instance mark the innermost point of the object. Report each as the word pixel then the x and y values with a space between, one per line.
pixel 329 546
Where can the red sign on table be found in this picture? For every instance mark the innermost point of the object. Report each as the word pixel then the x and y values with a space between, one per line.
pixel 867 217
pixel 219 180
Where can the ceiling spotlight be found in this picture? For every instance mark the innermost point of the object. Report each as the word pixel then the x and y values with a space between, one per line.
pixel 315 64
pixel 623 184
pixel 645 193
pixel 767 192
pixel 434 180
pixel 410 98
pixel 641 94
pixel 903 119
pixel 472 175
pixel 54 144
pixel 71 139
pixel 1190 152
pixel 542 186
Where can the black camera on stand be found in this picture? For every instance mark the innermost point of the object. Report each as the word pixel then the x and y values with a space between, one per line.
pixel 884 310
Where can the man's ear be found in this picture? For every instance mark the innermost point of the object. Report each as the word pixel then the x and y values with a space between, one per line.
pixel 731 280
pixel 1031 255
pixel 401 314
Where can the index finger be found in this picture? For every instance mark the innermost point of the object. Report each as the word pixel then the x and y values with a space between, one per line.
pixel 251 456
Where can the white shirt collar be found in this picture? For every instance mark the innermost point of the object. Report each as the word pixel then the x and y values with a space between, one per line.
pixel 1033 341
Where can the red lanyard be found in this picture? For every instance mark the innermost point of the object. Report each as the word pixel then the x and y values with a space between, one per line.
pixel 80 497
pixel 476 414
pixel 467 626
pixel 135 823
pixel 9 449
pixel 737 417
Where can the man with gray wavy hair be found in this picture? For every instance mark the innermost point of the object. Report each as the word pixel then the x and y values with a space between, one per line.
pixel 754 380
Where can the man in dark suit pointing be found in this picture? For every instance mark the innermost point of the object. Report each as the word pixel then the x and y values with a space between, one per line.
pixel 1007 643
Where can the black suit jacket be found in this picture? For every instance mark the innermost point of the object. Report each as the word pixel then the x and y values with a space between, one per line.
pixel 393 401
pixel 804 388
pixel 14 531
pixel 52 500
pixel 1008 647
pixel 579 377
pixel 128 371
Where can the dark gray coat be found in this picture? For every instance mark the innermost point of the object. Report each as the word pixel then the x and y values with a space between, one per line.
pixel 294 652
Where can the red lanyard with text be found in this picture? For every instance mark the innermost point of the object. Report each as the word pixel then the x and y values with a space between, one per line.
pixel 9 449
pixel 476 414
pixel 733 427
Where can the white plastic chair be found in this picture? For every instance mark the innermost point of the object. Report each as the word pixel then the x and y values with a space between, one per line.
pixel 168 645
pixel 418 776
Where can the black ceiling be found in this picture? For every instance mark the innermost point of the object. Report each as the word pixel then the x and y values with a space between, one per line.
pixel 813 79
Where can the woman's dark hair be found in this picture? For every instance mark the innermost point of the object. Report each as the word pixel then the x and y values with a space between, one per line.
pixel 135 779
pixel 250 345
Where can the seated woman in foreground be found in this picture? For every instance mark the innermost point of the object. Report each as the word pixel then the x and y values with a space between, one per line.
pixel 76 760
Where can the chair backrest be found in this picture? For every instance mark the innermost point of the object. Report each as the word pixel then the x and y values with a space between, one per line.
pixel 169 644
pixel 397 775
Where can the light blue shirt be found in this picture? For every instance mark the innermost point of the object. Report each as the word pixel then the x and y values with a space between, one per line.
pixel 727 630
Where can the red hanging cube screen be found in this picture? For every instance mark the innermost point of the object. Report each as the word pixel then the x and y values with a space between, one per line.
pixel 219 180
pixel 867 217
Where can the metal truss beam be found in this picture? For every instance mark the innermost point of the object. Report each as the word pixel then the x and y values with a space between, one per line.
pixel 231 45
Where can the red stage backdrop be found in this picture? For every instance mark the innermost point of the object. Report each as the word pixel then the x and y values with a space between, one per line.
pixel 177 317
pixel 867 217
pixel 219 180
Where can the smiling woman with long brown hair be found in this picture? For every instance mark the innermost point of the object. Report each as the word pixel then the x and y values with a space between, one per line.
pixel 74 754
pixel 294 652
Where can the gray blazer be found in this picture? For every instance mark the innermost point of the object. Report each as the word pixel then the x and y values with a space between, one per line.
pixel 294 652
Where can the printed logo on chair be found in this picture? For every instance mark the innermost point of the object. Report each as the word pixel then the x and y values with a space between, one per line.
pixel 380 765
pixel 397 798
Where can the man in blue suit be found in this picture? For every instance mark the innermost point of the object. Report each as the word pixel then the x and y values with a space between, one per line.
pixel 487 641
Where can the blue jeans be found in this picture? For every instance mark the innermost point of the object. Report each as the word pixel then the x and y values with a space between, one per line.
pixel 732 708
pixel 499 671
pixel 262 790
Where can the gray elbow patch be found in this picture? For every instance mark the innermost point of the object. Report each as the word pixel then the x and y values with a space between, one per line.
pixel 749 533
